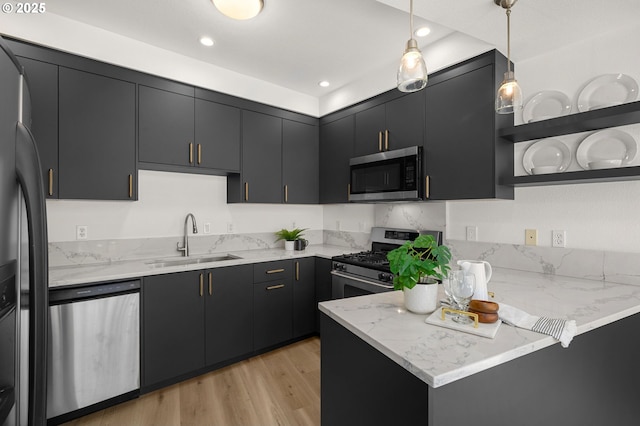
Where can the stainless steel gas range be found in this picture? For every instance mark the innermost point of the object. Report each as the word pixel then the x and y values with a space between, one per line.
pixel 368 272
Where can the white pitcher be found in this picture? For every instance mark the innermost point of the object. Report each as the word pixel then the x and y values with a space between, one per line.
pixel 482 271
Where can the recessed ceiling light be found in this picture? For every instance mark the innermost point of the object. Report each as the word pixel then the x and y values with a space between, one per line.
pixel 323 83
pixel 240 10
pixel 206 41
pixel 422 31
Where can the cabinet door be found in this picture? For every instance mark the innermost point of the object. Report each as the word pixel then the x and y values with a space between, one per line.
pixel 405 118
pixel 369 124
pixel 97 144
pixel 166 122
pixel 272 316
pixel 300 163
pixel 304 297
pixel 217 136
pixel 261 158
pixel 173 326
pixel 43 87
pixel 323 284
pixel 461 136
pixel 336 148
pixel 229 313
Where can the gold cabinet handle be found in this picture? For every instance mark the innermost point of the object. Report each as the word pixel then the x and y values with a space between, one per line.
pixel 50 181
pixel 426 187
pixel 210 283
pixel 130 186
pixel 201 284
pixel 246 191
pixel 190 153
pixel 297 271
pixel 380 141
pixel 275 271
pixel 199 153
pixel 386 140
pixel 274 287
pixel 286 193
pixel 348 192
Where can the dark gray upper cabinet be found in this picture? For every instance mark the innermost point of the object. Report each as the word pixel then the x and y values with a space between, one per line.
pixel 228 313
pixel 97 137
pixel 43 88
pixel 398 123
pixel 300 163
pixel 166 127
pixel 336 148
pixel 261 178
pixel 464 155
pixel 217 136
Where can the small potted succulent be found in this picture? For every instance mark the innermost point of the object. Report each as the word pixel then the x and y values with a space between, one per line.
pixel 289 237
pixel 416 266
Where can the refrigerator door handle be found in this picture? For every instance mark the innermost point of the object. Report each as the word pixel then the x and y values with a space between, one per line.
pixel 29 173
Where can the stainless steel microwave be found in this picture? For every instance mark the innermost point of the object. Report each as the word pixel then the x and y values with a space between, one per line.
pixel 387 176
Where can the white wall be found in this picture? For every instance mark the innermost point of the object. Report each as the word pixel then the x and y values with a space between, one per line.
pixel 165 199
pixel 596 216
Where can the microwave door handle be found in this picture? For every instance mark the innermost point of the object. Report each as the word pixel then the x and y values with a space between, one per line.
pixel 29 174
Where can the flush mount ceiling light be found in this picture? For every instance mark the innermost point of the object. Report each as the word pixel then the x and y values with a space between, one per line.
pixel 323 83
pixel 509 97
pixel 422 32
pixel 412 73
pixel 239 9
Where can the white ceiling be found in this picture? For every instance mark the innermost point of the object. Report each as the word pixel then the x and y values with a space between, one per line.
pixel 297 43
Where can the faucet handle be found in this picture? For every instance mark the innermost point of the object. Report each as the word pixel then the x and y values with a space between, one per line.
pixel 181 248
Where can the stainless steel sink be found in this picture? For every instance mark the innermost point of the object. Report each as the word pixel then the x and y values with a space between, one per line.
pixel 161 263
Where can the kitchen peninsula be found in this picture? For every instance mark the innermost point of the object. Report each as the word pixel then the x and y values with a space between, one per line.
pixel 384 365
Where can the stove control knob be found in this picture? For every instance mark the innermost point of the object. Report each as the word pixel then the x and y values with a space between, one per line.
pixel 385 277
pixel 339 267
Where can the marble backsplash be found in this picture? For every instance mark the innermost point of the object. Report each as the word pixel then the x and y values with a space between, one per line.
pixel 617 267
pixel 70 253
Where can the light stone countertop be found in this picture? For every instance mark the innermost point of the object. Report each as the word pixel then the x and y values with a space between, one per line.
pixel 128 269
pixel 439 355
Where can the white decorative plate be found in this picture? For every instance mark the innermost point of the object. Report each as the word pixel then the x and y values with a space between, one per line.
pixel 607 90
pixel 546 104
pixel 606 149
pixel 546 156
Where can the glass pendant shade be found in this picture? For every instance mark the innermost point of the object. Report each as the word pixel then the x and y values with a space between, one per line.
pixel 239 9
pixel 509 98
pixel 412 73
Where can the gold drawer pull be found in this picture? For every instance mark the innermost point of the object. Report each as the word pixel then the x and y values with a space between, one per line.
pixel 210 284
pixel 201 284
pixel 50 181
pixel 275 271
pixel 275 287
pixel 130 186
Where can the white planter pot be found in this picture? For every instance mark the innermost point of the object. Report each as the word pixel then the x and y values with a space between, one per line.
pixel 422 299
pixel 289 245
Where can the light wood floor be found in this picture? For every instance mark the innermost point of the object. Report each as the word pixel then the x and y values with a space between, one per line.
pixel 281 387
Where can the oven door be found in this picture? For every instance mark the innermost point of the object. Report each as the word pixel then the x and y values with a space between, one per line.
pixel 346 285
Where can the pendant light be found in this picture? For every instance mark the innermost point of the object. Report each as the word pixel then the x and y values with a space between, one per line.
pixel 509 97
pixel 412 73
pixel 239 9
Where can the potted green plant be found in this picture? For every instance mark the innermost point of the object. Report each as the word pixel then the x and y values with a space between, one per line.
pixel 289 236
pixel 416 267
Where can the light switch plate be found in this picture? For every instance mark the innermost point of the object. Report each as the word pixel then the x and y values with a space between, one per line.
pixel 531 237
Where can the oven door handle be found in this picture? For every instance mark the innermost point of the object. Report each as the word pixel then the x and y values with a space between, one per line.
pixel 351 277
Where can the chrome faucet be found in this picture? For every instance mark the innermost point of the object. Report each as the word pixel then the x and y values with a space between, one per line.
pixel 185 246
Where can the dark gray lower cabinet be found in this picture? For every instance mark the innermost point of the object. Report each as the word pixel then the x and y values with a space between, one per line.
pixel 173 326
pixel 272 311
pixel 304 297
pixel 229 313
pixel 322 285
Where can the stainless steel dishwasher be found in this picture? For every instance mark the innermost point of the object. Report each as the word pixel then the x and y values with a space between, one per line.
pixel 94 346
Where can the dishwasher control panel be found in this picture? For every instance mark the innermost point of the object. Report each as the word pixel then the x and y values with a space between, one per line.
pixel 64 294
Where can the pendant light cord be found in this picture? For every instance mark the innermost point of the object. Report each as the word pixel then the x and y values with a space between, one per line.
pixel 508 39
pixel 410 19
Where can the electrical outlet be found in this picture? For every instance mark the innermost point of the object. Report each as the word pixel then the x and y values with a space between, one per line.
pixel 559 238
pixel 81 232
pixel 531 237
pixel 207 228
pixel 229 227
pixel 472 233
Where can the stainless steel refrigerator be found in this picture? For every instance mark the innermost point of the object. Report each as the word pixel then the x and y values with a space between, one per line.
pixel 23 256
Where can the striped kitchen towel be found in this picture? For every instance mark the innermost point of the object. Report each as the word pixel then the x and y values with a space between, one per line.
pixel 562 330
